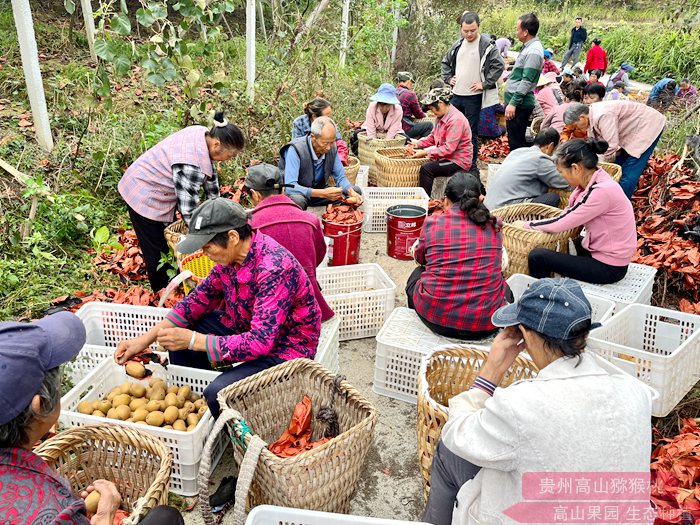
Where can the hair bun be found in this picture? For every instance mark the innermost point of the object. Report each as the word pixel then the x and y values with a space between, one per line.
pixel 598 146
pixel 219 116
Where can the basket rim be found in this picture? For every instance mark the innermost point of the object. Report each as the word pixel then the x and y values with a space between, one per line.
pixel 301 365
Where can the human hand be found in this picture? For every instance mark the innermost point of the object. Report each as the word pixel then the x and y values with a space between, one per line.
pixel 518 224
pixel 174 339
pixel 129 348
pixel 504 349
pixel 419 154
pixel 453 81
pixel 510 112
pixel 333 193
pixel 414 143
pixel 358 196
pixel 477 86
pixel 109 503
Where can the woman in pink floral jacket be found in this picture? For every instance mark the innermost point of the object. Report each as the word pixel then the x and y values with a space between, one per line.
pixel 256 307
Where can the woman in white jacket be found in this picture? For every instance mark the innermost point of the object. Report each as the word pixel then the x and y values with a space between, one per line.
pixel 574 417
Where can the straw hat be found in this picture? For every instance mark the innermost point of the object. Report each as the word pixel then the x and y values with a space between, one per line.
pixel 547 78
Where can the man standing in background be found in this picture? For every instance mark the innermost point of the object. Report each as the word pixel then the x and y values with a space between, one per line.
pixel 519 95
pixel 576 41
pixel 472 67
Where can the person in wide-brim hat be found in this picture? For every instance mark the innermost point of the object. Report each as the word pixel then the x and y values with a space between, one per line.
pixel 384 114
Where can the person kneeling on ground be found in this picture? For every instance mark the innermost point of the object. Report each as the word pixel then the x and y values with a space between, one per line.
pixel 552 423
pixel 459 283
pixel 449 146
pixel 384 115
pixel 527 173
pixel 599 204
pixel 270 314
pixel 30 398
pixel 277 216
pixel 308 162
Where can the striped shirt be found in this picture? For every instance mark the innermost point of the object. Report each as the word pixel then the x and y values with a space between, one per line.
pixel 526 72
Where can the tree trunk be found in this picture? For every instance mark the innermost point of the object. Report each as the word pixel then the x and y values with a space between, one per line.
pixel 250 50
pixel 323 4
pixel 345 24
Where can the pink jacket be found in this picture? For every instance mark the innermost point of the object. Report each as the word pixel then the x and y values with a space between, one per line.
pixel 298 231
pixel 376 123
pixel 606 212
pixel 555 119
pixel 625 124
pixel 545 96
pixel 451 139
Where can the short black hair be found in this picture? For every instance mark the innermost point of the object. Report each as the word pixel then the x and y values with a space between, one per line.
pixel 547 136
pixel 469 17
pixel 530 23
pixel 221 239
pixel 595 89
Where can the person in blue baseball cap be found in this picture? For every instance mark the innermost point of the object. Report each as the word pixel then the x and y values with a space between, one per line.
pixel 621 75
pixel 30 404
pixel 554 422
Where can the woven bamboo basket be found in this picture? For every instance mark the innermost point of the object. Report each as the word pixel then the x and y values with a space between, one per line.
pixel 395 170
pixel 536 125
pixel 174 233
pixel 366 151
pixel 444 373
pixel 352 169
pixel 259 408
pixel 136 462
pixel 614 170
pixel 427 118
pixel 519 242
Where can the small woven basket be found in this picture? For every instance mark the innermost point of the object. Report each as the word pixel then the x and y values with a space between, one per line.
pixel 136 462
pixel 614 170
pixel 174 232
pixel 395 170
pixel 427 118
pixel 519 242
pixel 259 408
pixel 444 373
pixel 200 265
pixel 366 151
pixel 352 169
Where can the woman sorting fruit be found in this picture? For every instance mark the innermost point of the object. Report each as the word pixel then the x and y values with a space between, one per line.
pixel 301 126
pixel 459 283
pixel 256 307
pixel 30 403
pixel 449 146
pixel 169 177
pixel 499 444
pixel 599 204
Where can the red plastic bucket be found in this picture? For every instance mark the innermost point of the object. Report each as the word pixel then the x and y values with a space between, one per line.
pixel 403 225
pixel 345 242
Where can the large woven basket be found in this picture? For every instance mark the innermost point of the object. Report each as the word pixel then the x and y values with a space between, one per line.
pixel 366 151
pixel 136 462
pixel 444 373
pixel 395 170
pixel 321 479
pixel 519 242
pixel 614 170
pixel 174 233
pixel 352 169
pixel 536 125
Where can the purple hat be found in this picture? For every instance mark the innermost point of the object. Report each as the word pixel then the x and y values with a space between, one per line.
pixel 28 351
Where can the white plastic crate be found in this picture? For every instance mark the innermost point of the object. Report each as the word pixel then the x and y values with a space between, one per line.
pixel 660 347
pixel 273 515
pixel 361 294
pixel 601 308
pixel 362 179
pixel 329 344
pixel 401 344
pixel 636 287
pixel 378 200
pixel 186 446
pixel 107 324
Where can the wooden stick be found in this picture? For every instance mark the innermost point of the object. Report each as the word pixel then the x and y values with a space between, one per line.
pixel 26 228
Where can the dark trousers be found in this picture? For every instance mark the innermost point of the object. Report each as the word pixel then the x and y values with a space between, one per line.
pixel 517 126
pixel 163 515
pixel 436 168
pixel 152 243
pixel 419 130
pixel 211 324
pixel 449 472
pixel 471 107
pixel 445 331
pixel 550 199
pixel 582 267
pixel 303 202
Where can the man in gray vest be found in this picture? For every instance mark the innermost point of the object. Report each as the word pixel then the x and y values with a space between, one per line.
pixel 308 162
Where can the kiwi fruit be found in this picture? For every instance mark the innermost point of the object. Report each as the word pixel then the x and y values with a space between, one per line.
pixel 112 413
pixel 92 501
pixel 158 394
pixel 171 400
pixel 155 419
pixel 123 412
pixel 140 414
pixel 170 415
pixel 173 389
pixel 98 413
pixel 104 406
pixel 85 407
pixel 125 387
pixel 137 403
pixel 137 390
pixel 192 419
pixel 184 391
pixel 180 425
pixel 153 405
pixel 135 370
pixel 191 428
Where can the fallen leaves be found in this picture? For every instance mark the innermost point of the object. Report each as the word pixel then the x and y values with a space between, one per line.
pixel 134 295
pixel 24 123
pixel 675 475
pixel 494 149
pixel 127 262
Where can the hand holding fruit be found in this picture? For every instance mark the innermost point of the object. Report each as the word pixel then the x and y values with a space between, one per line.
pixel 354 198
pixel 419 154
pixel 128 349
pixel 102 499
pixel 333 193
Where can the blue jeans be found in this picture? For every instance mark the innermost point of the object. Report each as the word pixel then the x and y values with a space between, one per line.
pixel 632 167
pixel 211 324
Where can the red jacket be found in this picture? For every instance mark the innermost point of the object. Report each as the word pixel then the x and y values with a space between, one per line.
pixel 596 58
pixel 298 231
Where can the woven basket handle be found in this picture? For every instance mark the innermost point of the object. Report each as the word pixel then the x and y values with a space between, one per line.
pixel 246 473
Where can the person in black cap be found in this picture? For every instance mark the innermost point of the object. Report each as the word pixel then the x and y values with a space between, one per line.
pixel 555 422
pixel 411 107
pixel 278 216
pixel 30 404
pixel 255 309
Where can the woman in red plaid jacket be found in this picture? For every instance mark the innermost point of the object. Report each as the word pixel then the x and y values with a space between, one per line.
pixel 459 283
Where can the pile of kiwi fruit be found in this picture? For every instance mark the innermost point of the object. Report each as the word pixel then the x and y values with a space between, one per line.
pixel 158 405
